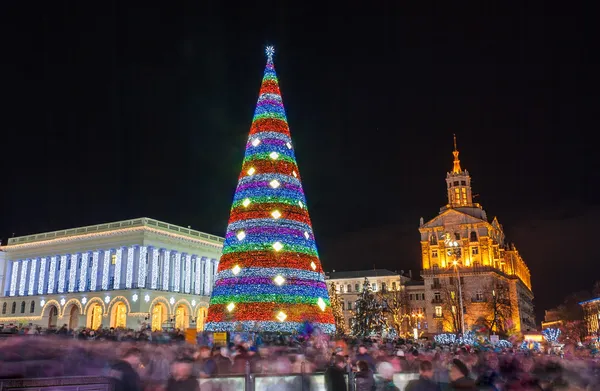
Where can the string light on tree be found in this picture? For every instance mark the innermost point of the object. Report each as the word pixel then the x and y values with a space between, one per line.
pixel 269 235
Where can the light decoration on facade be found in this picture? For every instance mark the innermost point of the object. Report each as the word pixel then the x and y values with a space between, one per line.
pixel 154 279
pixel 134 297
pixel 105 269
pixel 23 279
pixel 32 277
pixel 198 275
pixel 62 301
pixel 187 282
pixel 143 267
pixel 166 269
pixel 129 272
pixel 94 275
pixel 107 299
pixel 551 334
pixel 172 300
pixel 85 259
pixel 207 273
pixel 42 303
pixel 84 300
pixel 52 274
pixel 73 273
pixel 147 298
pixel 42 278
pixel 62 274
pixel 118 267
pixel 177 272
pixel 504 344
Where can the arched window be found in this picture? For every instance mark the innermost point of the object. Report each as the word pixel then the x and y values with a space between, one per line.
pixel 13 308
pixel 22 307
pixel 433 240
pixel 32 307
pixel 349 288
pixel 3 308
pixel 473 237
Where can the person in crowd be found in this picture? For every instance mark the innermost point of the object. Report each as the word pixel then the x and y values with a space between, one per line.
pixel 425 381
pixel 459 377
pixel 181 378
pixel 207 367
pixel 386 381
pixel 363 355
pixel 334 375
pixel 124 372
pixel 364 377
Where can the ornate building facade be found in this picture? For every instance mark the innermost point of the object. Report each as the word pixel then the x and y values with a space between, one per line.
pixel 120 274
pixel 468 263
pixel 591 316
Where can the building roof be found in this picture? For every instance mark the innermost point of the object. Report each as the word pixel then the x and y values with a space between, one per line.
pixel 362 274
pixel 589 301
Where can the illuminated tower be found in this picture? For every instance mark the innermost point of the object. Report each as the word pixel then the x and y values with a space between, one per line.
pixel 269 276
pixel 459 184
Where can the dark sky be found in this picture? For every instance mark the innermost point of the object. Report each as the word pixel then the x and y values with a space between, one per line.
pixel 112 112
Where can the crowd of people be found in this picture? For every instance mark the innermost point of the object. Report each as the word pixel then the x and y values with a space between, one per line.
pixel 163 361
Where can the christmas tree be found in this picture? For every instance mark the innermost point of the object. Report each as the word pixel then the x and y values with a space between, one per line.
pixel 369 316
pixel 269 276
pixel 336 308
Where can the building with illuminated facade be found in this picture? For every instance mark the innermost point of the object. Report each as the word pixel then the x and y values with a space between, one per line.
pixel 467 259
pixel 120 274
pixel 591 316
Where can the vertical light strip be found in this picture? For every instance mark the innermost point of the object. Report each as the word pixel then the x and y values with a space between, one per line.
pixel 23 280
pixel 198 276
pixel 142 267
pixel 62 273
pixel 73 272
pixel 32 277
pixel 207 273
pixel 188 274
pixel 129 275
pixel 155 255
pixel 42 278
pixel 52 275
pixel 177 272
pixel 117 271
pixel 83 270
pixel 13 278
pixel 94 275
pixel 105 269
pixel 166 266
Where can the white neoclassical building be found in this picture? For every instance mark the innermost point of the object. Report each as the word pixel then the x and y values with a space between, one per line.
pixel 120 274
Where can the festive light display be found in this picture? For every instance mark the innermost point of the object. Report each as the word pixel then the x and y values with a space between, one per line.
pixel 94 276
pixel 177 272
pixel 130 262
pixel 24 265
pixel 154 280
pixel 42 279
pixel 117 271
pixel 52 275
pixel 143 267
pixel 83 273
pixel 32 276
pixel 105 269
pixel 503 343
pixel 269 276
pixel 62 273
pixel 187 283
pixel 446 339
pixel 551 335
pixel 198 279
pixel 166 266
pixel 73 272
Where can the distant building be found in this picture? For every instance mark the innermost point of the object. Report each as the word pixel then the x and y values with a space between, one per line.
pixel 463 252
pixel 591 316
pixel 120 274
pixel 552 319
pixel 349 285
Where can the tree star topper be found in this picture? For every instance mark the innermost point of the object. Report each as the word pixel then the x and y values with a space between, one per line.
pixel 270 51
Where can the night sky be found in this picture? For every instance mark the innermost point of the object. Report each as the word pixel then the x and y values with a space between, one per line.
pixel 113 112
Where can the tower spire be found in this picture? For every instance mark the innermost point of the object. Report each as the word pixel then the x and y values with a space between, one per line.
pixel 456 169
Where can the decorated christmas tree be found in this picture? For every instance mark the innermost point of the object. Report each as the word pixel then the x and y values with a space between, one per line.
pixel 369 316
pixel 269 276
pixel 336 308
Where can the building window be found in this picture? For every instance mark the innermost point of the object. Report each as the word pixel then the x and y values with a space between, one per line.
pixel 456 183
pixel 463 183
pixel 383 286
pixel 349 306
pixel 411 297
pixel 349 288
pixel 462 280
pixel 434 254
pixel 3 308
pixel 475 251
pixel 433 240
pixel 457 235
pixel 113 259
pixel 32 307
pixel 356 288
pixel 479 296
pixel 375 287
pixel 437 296
pixel 393 286
pixel 422 296
pixel 452 295
pixel 438 311
pixel 13 308
pixel 473 237
pixel 342 306
pixel 22 307
pixel 435 266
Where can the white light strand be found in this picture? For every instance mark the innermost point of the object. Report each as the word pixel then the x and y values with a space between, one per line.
pixel 198 276
pixel 177 272
pixel 188 274
pixel 129 274
pixel 73 272
pixel 23 277
pixel 117 271
pixel 94 275
pixel 42 278
pixel 142 267
pixel 85 258
pixel 105 269
pixel 207 272
pixel 13 278
pixel 52 274
pixel 155 255
pixel 32 277
pixel 62 274
pixel 166 267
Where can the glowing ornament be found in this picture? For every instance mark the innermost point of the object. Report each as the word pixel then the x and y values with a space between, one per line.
pixel 255 142
pixel 276 214
pixel 274 155
pixel 42 302
pixel 294 174
pixel 147 298
pixel 241 235
pixel 281 316
pixel 84 300
pixel 321 304
pixel 107 299
pixel 288 145
pixel 277 246
pixel 172 300
pixel 301 204
pixel 62 301
pixel 246 202
pixel 193 303
pixel 306 235
pixel 251 171
pixel 230 307
pixel 134 297
pixel 279 280
pixel 274 183
pixel 314 267
pixel 236 270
